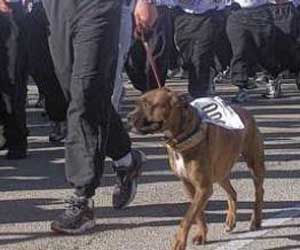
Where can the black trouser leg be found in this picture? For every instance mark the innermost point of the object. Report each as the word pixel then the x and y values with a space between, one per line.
pixel 87 44
pixel 252 36
pixel 41 66
pixel 13 77
pixel 223 49
pixel 287 25
pixel 194 36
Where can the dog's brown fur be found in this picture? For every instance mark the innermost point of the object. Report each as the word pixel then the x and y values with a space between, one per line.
pixel 208 162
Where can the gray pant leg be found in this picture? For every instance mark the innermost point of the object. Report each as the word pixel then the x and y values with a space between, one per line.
pixel 86 46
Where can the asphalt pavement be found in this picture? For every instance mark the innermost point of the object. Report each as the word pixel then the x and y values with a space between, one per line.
pixel 32 190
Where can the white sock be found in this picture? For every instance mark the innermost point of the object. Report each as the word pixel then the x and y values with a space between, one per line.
pixel 125 161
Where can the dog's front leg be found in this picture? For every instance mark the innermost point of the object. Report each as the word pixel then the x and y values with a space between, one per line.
pixel 197 207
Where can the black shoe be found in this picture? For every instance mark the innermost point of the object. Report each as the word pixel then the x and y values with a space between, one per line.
pixel 77 218
pixel 126 187
pixel 16 154
pixel 241 97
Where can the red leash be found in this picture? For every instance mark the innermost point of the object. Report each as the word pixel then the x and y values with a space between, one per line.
pixel 149 53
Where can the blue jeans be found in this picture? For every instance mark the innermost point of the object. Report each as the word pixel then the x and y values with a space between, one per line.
pixel 125 38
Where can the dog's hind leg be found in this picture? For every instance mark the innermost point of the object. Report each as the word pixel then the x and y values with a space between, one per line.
pixel 254 157
pixel 232 204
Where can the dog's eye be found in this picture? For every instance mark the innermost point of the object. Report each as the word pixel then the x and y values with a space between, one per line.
pixel 146 105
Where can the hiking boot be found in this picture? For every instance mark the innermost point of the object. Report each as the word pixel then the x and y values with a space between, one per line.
pixel 241 97
pixel 58 131
pixel 77 218
pixel 126 187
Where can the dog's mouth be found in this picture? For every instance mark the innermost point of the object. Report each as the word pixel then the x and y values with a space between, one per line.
pixel 150 127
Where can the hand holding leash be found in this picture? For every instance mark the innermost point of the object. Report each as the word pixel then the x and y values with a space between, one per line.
pixel 4 8
pixel 145 15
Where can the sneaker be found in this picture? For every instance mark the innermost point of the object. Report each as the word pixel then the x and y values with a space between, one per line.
pixel 184 74
pixel 273 89
pixel 261 78
pixel 173 72
pixel 126 187
pixel 77 218
pixel 251 84
pixel 58 131
pixel 223 76
pixel 241 97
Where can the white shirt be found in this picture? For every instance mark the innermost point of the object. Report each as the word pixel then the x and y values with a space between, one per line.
pixel 221 4
pixel 191 7
pixel 251 3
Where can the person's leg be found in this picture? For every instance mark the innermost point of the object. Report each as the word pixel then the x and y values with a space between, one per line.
pixel 194 36
pixel 84 50
pixel 44 73
pixel 241 44
pixel 223 47
pixel 127 162
pixel 13 80
pixel 125 39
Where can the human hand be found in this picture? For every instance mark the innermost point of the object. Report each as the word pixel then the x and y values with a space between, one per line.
pixel 4 7
pixel 145 15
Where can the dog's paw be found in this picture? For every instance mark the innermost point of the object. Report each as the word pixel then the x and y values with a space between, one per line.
pixel 179 245
pixel 230 223
pixel 199 239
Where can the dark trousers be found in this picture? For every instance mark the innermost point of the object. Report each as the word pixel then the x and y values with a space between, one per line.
pixel 252 36
pixel 41 66
pixel 13 76
pixel 83 42
pixel 137 65
pixel 194 37
pixel 286 22
pixel 223 49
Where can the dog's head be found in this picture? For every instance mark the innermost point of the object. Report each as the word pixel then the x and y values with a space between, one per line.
pixel 158 111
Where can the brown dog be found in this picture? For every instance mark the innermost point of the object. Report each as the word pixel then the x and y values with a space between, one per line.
pixel 201 154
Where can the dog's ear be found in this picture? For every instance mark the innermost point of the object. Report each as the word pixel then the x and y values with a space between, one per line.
pixel 180 100
pixel 167 89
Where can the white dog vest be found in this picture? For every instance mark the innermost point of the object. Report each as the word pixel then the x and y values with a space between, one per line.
pixel 216 111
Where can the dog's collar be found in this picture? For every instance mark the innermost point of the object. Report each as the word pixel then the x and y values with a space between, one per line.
pixel 190 140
